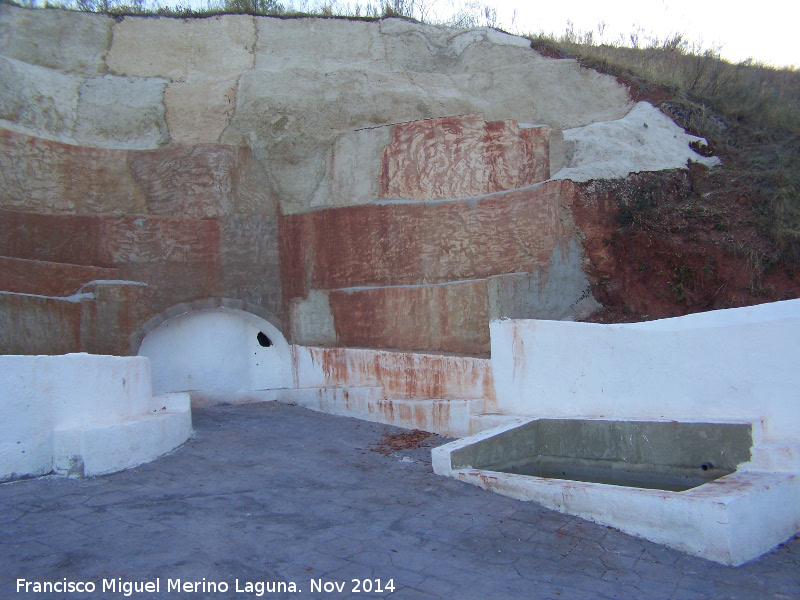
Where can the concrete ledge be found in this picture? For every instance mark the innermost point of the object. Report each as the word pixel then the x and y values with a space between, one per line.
pixel 400 374
pixel 486 421
pixel 100 449
pixel 441 455
pixel 202 398
pixel 731 520
pixel 450 417
pixel 347 402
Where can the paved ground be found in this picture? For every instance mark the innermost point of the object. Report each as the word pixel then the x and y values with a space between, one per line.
pixel 271 494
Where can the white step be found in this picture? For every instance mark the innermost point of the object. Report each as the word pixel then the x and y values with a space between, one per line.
pixel 99 449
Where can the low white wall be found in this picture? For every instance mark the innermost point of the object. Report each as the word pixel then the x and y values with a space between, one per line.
pixel 40 394
pixel 26 427
pixel 737 364
pixel 91 390
pixel 216 351
pixel 398 374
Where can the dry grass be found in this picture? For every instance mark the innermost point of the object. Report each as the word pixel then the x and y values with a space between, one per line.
pixel 749 112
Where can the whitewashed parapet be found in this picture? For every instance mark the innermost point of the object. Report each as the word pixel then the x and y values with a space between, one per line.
pixel 46 400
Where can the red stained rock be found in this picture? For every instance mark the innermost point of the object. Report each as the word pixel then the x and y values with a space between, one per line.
pixel 294 244
pixel 201 181
pixel 105 241
pixel 110 320
pixel 175 282
pixel 179 258
pixel 46 176
pixel 104 322
pixel 457 157
pixel 47 278
pixel 187 181
pixel 164 217
pixel 37 325
pixel 73 239
pixel 412 247
pixel 408 244
pixel 451 318
pixel 160 239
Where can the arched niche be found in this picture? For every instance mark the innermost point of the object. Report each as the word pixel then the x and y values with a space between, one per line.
pixel 217 351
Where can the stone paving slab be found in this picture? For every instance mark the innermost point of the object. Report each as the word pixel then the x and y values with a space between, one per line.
pixel 274 494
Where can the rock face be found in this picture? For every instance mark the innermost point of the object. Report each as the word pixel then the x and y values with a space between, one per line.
pixel 418 274
pixel 382 184
pixel 188 221
pixel 456 157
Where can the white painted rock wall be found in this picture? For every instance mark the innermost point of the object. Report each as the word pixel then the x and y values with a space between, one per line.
pixel 643 140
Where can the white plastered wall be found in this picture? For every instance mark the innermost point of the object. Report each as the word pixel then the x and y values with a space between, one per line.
pixel 730 365
pixel 216 351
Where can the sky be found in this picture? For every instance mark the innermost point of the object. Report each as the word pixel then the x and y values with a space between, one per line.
pixel 765 31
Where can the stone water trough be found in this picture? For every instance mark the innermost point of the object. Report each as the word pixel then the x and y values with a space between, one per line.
pixel 667 456
pixel 682 431
pixel 685 485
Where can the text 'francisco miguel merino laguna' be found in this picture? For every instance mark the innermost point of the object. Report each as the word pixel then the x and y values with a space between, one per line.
pixel 256 588
pixel 128 588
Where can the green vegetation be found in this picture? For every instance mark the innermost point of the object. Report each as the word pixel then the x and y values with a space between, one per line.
pixel 470 13
pixel 141 7
pixel 273 8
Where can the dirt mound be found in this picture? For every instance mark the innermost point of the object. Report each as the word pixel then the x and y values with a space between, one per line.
pixel 667 244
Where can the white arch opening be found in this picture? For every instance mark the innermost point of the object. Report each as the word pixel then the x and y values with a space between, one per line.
pixel 217 353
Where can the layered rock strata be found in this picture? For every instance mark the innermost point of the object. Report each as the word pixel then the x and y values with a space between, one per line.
pixel 380 184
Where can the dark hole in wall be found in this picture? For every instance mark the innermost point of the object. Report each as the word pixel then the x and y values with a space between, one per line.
pixel 263 340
